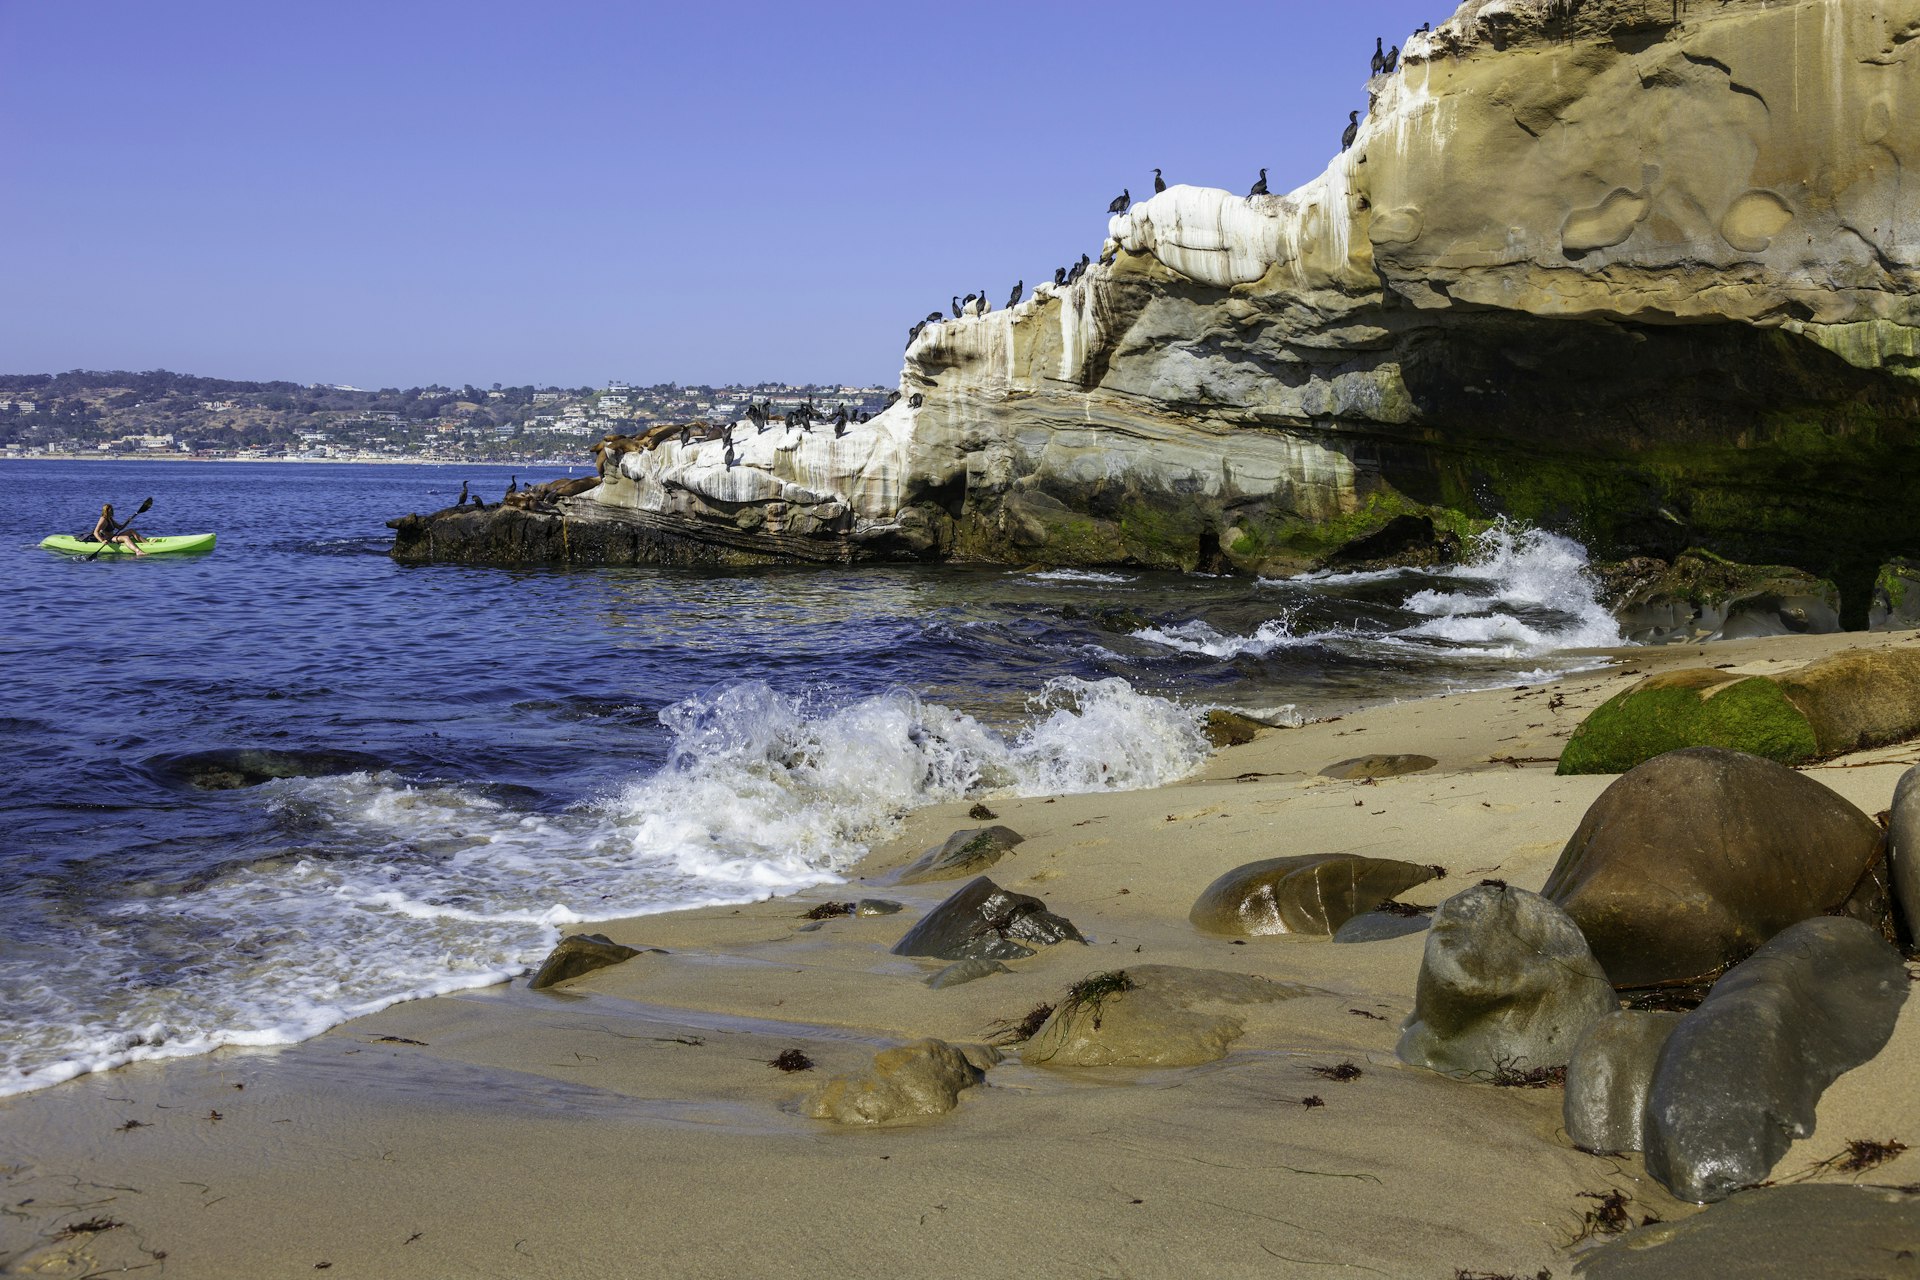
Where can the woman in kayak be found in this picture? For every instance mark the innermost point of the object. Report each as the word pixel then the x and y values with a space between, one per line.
pixel 106 529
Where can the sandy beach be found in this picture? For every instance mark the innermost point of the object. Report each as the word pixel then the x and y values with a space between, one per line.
pixel 627 1123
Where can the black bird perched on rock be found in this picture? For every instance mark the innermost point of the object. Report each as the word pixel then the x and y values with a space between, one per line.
pixel 1379 62
pixel 915 332
pixel 956 306
pixel 1159 183
pixel 479 502
pixel 513 486
pixel 1260 187
pixel 933 317
pixel 1425 27
pixel 982 306
pixel 893 398
pixel 916 400
pixel 1352 130
pixel 1393 60
pixel 966 302
pixel 1079 268
pixel 1121 201
pixel 1019 287
pixel 1059 275
pixel 462 500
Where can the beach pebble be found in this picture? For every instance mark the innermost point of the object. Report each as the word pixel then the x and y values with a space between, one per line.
pixel 1378 766
pixel 964 853
pixel 1739 1077
pixel 1506 980
pixel 914 1080
pixel 1379 926
pixel 578 954
pixel 961 971
pixel 1903 850
pixel 1774 1233
pixel 984 921
pixel 877 907
pixel 1150 1015
pixel 1312 893
pixel 1608 1078
pixel 1690 861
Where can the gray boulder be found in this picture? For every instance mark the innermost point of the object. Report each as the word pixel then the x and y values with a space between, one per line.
pixel 1608 1078
pixel 924 1078
pixel 1738 1079
pixel 1896 597
pixel 983 921
pixel 1506 981
pixel 1774 1233
pixel 964 853
pixel 1313 893
pixel 1378 766
pixel 1903 852
pixel 578 954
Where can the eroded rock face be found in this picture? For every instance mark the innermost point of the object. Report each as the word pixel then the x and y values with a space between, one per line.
pixel 910 1082
pixel 1311 893
pixel 1739 1077
pixel 1608 1078
pixel 1702 597
pixel 982 921
pixel 579 954
pixel 1151 1015
pixel 1506 981
pixel 1688 862
pixel 1774 1233
pixel 1896 597
pixel 963 853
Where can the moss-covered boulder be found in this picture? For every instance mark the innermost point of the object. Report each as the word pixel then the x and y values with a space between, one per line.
pixel 1702 596
pixel 1896 597
pixel 1690 708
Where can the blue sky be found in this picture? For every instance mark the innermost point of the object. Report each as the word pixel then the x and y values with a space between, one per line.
pixel 413 191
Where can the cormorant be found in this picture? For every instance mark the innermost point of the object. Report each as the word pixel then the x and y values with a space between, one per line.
pixel 1159 183
pixel 933 317
pixel 916 400
pixel 686 434
pixel 1352 130
pixel 1019 287
pixel 1121 201
pixel 915 332
pixel 463 495
pixel 1260 187
pixel 1379 62
pixel 479 502
pixel 893 398
pixel 966 302
pixel 1059 275
pixel 1393 60
pixel 956 306
pixel 983 306
pixel 513 486
pixel 1079 268
pixel 1425 27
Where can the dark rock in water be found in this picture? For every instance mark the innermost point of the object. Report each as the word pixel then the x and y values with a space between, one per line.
pixel 924 1078
pixel 1506 981
pixel 1701 596
pixel 1896 597
pixel 1378 766
pixel 1403 540
pixel 1774 1233
pixel 984 921
pixel 1740 1076
pixel 1151 1015
pixel 230 768
pixel 1687 863
pixel 1231 729
pixel 1311 893
pixel 1379 926
pixel 964 971
pixel 964 853
pixel 1608 1078
pixel 1903 852
pixel 578 954
pixel 876 907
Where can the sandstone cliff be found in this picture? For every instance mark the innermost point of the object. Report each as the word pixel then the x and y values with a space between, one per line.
pixel 1644 270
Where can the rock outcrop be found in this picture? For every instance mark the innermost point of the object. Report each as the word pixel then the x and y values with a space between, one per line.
pixel 1644 272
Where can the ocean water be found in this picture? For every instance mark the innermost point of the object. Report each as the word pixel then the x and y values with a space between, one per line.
pixel 467 761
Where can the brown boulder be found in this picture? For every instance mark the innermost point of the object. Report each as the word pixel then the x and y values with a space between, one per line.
pixel 905 1083
pixel 1313 893
pixel 1151 1015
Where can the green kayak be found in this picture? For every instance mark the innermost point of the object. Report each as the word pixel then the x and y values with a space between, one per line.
pixel 152 546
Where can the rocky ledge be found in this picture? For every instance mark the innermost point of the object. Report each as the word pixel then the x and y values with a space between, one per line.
pixel 1645 273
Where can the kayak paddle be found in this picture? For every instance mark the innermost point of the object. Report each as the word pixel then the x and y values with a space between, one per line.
pixel 122 525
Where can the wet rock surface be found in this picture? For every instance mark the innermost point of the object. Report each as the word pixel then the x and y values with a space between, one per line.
pixel 983 921
pixel 963 853
pixel 1379 926
pixel 232 768
pixel 1312 893
pixel 909 1082
pixel 1739 1077
pixel 1903 853
pixel 1231 729
pixel 1895 605
pixel 1688 862
pixel 1150 1015
pixel 1775 1233
pixel 1378 766
pixel 579 954
pixel 1506 981
pixel 1700 596
pixel 1608 1078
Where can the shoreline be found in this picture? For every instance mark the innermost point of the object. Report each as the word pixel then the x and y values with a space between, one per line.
pixel 629 1117
pixel 343 462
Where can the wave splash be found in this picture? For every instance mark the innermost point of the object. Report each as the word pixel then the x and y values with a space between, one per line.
pixel 1526 592
pixel 401 890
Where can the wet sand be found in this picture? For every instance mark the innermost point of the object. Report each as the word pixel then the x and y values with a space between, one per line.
pixel 628 1124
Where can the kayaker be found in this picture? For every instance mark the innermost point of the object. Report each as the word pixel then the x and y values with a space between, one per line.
pixel 106 529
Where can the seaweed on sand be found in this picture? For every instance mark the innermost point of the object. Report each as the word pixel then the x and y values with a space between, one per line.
pixel 792 1060
pixel 1021 1029
pixel 1345 1072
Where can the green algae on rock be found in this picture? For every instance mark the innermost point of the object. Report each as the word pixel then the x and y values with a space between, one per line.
pixel 1689 708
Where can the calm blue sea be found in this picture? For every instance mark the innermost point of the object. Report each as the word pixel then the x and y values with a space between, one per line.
pixel 476 758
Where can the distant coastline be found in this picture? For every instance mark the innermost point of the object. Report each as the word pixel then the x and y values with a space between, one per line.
pixel 364 460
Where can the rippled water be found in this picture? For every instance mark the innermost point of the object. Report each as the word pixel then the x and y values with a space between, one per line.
pixel 475 757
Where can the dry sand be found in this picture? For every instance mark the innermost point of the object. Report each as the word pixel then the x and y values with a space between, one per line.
pixel 628 1124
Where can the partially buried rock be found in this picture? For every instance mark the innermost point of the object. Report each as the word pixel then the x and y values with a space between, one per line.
pixel 964 853
pixel 1378 766
pixel 1231 729
pixel 876 907
pixel 1608 1078
pixel 1381 926
pixel 984 921
pixel 964 971
pixel 1774 1233
pixel 906 1083
pixel 1739 1077
pixel 581 953
pixel 1506 982
pixel 1687 863
pixel 1312 893
pixel 1150 1015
